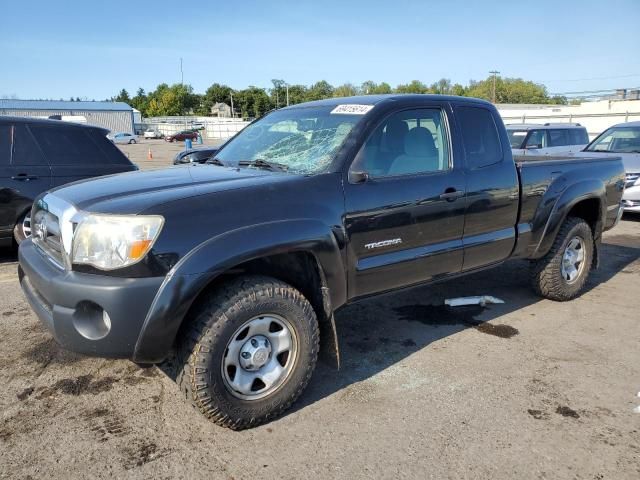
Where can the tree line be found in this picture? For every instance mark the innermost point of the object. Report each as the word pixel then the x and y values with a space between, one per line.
pixel 180 99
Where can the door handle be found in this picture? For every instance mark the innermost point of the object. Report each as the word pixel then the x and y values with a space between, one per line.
pixel 451 194
pixel 23 177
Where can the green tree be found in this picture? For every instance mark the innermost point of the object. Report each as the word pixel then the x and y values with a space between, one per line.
pixel 177 99
pixel 442 87
pixel 415 86
pixel 252 102
pixel 509 90
pixel 458 89
pixel 278 93
pixel 319 91
pixel 297 94
pixel 123 96
pixel 216 93
pixel 139 102
pixel 345 90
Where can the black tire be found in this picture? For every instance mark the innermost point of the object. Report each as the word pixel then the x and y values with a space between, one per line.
pixel 203 345
pixel 19 234
pixel 132 141
pixel 546 273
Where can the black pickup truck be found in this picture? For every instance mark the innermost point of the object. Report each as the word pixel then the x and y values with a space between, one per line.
pixel 235 268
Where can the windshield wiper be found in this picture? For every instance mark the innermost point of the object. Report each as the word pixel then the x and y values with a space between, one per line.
pixel 215 161
pixel 261 163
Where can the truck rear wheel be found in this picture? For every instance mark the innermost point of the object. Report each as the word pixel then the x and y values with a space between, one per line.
pixel 562 273
pixel 248 351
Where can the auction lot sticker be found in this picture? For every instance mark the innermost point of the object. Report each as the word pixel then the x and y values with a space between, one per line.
pixel 351 109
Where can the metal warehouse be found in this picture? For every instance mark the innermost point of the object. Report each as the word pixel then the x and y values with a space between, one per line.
pixel 115 116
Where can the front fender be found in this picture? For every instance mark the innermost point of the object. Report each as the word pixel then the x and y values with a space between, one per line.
pixel 195 271
pixel 547 222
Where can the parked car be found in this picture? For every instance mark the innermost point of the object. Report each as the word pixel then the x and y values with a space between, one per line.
pixel 182 136
pixel 197 126
pixel 239 268
pixel 547 139
pixel 622 140
pixel 195 155
pixel 151 133
pixel 36 155
pixel 122 137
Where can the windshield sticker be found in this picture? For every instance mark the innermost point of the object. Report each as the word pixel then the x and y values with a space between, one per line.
pixel 351 109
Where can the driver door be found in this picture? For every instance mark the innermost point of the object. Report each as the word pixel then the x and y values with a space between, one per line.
pixel 405 219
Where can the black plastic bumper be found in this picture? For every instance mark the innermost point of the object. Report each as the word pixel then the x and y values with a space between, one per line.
pixel 70 305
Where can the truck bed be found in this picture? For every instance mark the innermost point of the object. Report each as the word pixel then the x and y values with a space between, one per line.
pixel 543 179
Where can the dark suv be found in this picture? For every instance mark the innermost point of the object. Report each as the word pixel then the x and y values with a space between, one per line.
pixel 36 155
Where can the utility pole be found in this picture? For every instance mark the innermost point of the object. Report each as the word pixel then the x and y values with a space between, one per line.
pixel 181 74
pixel 494 73
pixel 287 85
pixel 232 112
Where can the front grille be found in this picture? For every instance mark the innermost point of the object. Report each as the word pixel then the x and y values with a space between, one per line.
pixel 630 179
pixel 45 229
pixel 52 228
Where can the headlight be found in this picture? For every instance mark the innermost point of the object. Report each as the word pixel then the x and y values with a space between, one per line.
pixel 109 242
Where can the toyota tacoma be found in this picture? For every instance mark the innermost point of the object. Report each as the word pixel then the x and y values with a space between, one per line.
pixel 234 269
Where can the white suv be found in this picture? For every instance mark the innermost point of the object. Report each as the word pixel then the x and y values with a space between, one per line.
pixel 547 139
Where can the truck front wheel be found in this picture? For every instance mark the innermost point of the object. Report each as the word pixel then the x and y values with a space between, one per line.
pixel 248 351
pixel 562 273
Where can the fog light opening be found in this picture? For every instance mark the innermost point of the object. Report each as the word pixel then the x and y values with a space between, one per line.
pixel 91 320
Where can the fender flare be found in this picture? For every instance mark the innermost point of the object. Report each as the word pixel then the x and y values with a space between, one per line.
pixel 196 270
pixel 566 200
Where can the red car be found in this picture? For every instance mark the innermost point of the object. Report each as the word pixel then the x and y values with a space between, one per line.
pixel 182 136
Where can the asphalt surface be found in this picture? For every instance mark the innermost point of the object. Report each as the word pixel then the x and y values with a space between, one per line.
pixel 528 389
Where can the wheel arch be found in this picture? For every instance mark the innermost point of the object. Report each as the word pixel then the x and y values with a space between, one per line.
pixel 586 200
pixel 304 254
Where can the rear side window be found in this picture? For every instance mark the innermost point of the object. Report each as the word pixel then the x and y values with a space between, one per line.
pixel 73 146
pixel 112 154
pixel 25 149
pixel 559 137
pixel 5 145
pixel 480 136
pixel 66 146
pixel 578 136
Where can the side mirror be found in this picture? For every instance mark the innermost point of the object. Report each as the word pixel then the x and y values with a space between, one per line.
pixel 358 176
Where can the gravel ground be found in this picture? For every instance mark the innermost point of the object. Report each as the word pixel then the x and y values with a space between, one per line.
pixel 528 389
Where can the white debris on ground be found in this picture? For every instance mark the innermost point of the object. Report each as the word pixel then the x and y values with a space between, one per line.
pixel 481 300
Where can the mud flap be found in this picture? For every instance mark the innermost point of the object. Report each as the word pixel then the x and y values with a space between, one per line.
pixel 595 264
pixel 329 348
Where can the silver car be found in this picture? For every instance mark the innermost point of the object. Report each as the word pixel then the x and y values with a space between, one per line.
pixel 122 137
pixel 622 140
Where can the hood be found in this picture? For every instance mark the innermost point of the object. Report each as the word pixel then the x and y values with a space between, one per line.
pixel 631 161
pixel 134 192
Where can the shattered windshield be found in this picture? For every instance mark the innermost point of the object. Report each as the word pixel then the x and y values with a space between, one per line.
pixel 299 140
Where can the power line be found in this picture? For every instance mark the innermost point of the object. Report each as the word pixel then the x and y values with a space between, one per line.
pixel 592 78
pixel 594 91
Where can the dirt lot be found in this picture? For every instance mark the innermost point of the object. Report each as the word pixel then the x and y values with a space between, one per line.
pixel 528 389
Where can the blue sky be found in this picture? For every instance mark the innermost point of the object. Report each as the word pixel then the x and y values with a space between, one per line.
pixel 58 49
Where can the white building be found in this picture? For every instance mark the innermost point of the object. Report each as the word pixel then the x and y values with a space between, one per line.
pixel 114 116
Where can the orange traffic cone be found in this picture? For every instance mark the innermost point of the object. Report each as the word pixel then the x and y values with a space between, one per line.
pixel 149 155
